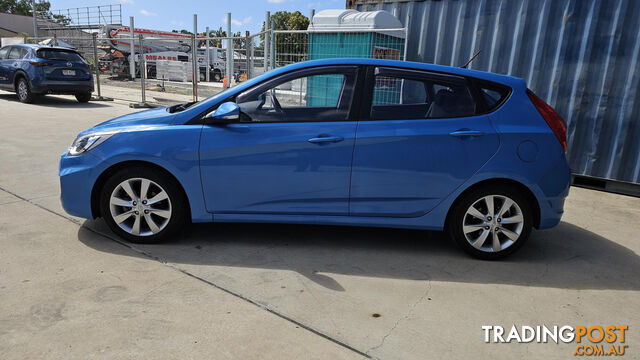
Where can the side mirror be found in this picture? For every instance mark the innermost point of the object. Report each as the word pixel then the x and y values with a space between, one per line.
pixel 225 113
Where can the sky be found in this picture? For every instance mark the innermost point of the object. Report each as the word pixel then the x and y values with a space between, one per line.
pixel 168 15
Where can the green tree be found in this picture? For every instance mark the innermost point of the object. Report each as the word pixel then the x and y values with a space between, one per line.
pixel 289 47
pixel 24 7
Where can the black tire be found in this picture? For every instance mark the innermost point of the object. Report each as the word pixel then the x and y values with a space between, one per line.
pixel 459 218
pixel 24 91
pixel 176 200
pixel 217 76
pixel 83 97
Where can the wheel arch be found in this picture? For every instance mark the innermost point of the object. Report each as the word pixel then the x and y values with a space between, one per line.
pixel 531 198
pixel 107 173
pixel 20 74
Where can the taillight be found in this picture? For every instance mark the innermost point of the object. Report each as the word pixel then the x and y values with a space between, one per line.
pixel 553 119
pixel 39 63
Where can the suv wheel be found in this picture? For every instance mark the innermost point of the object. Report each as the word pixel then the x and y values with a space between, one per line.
pixel 24 92
pixel 83 97
pixel 491 222
pixel 142 205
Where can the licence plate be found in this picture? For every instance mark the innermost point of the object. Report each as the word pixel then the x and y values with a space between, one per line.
pixel 68 72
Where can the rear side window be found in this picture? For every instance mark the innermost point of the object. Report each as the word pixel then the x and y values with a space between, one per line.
pixel 493 94
pixel 3 52
pixel 402 98
pixel 56 54
pixel 17 53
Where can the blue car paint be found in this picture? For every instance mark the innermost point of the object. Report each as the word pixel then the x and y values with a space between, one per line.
pixel 39 82
pixel 393 159
pixel 167 140
pixel 277 168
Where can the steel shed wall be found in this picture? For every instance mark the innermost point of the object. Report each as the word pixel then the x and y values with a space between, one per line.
pixel 581 56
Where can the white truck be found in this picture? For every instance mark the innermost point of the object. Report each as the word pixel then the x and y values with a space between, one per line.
pixel 157 45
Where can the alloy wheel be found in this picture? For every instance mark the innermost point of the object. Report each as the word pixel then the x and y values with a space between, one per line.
pixel 140 207
pixel 23 91
pixel 493 223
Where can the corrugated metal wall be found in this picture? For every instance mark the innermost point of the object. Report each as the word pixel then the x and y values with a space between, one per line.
pixel 581 56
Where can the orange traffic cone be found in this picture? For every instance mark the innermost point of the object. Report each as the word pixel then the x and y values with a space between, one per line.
pixel 225 80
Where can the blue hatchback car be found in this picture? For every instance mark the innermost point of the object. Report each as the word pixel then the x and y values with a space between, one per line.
pixel 360 142
pixel 32 70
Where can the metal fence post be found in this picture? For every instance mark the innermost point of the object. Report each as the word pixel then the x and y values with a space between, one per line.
pixel 96 65
pixel 273 45
pixel 55 40
pixel 132 54
pixel 266 51
pixel 248 47
pixel 195 71
pixel 206 53
pixel 195 67
pixel 141 61
pixel 229 51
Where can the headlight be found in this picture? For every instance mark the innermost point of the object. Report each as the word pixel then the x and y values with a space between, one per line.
pixel 87 142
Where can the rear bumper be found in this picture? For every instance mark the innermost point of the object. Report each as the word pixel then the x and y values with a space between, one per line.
pixel 62 87
pixel 555 186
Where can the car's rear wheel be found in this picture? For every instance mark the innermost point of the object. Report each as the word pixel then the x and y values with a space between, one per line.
pixel 491 222
pixel 217 76
pixel 142 205
pixel 24 91
pixel 83 97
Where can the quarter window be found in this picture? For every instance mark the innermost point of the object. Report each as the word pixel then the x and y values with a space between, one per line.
pixel 402 98
pixel 493 94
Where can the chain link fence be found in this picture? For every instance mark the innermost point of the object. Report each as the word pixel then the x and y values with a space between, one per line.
pixel 164 66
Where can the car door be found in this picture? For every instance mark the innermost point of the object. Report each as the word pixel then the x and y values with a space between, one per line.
pixel 421 141
pixel 291 151
pixel 4 68
pixel 14 62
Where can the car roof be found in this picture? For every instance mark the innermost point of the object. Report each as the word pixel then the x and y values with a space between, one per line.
pixel 503 79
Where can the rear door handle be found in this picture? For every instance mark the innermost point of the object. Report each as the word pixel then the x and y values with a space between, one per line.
pixel 461 133
pixel 325 139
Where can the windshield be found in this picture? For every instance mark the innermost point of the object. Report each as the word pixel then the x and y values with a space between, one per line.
pixel 57 54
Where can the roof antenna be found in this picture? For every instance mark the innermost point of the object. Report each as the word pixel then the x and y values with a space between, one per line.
pixel 470 60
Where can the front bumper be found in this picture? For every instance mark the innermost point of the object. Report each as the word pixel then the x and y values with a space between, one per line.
pixel 77 176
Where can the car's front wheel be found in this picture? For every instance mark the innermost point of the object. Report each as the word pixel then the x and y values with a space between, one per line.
pixel 491 222
pixel 143 205
pixel 24 91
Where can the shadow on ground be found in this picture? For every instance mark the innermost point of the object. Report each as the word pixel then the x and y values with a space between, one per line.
pixel 564 257
pixel 54 101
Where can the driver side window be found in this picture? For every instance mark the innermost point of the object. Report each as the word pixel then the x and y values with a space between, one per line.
pixel 318 96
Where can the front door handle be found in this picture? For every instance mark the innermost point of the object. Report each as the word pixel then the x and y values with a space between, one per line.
pixel 466 132
pixel 325 139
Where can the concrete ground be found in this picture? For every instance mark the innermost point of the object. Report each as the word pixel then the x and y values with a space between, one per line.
pixel 70 289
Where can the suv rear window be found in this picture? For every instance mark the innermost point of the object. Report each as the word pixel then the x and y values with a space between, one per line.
pixel 57 54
